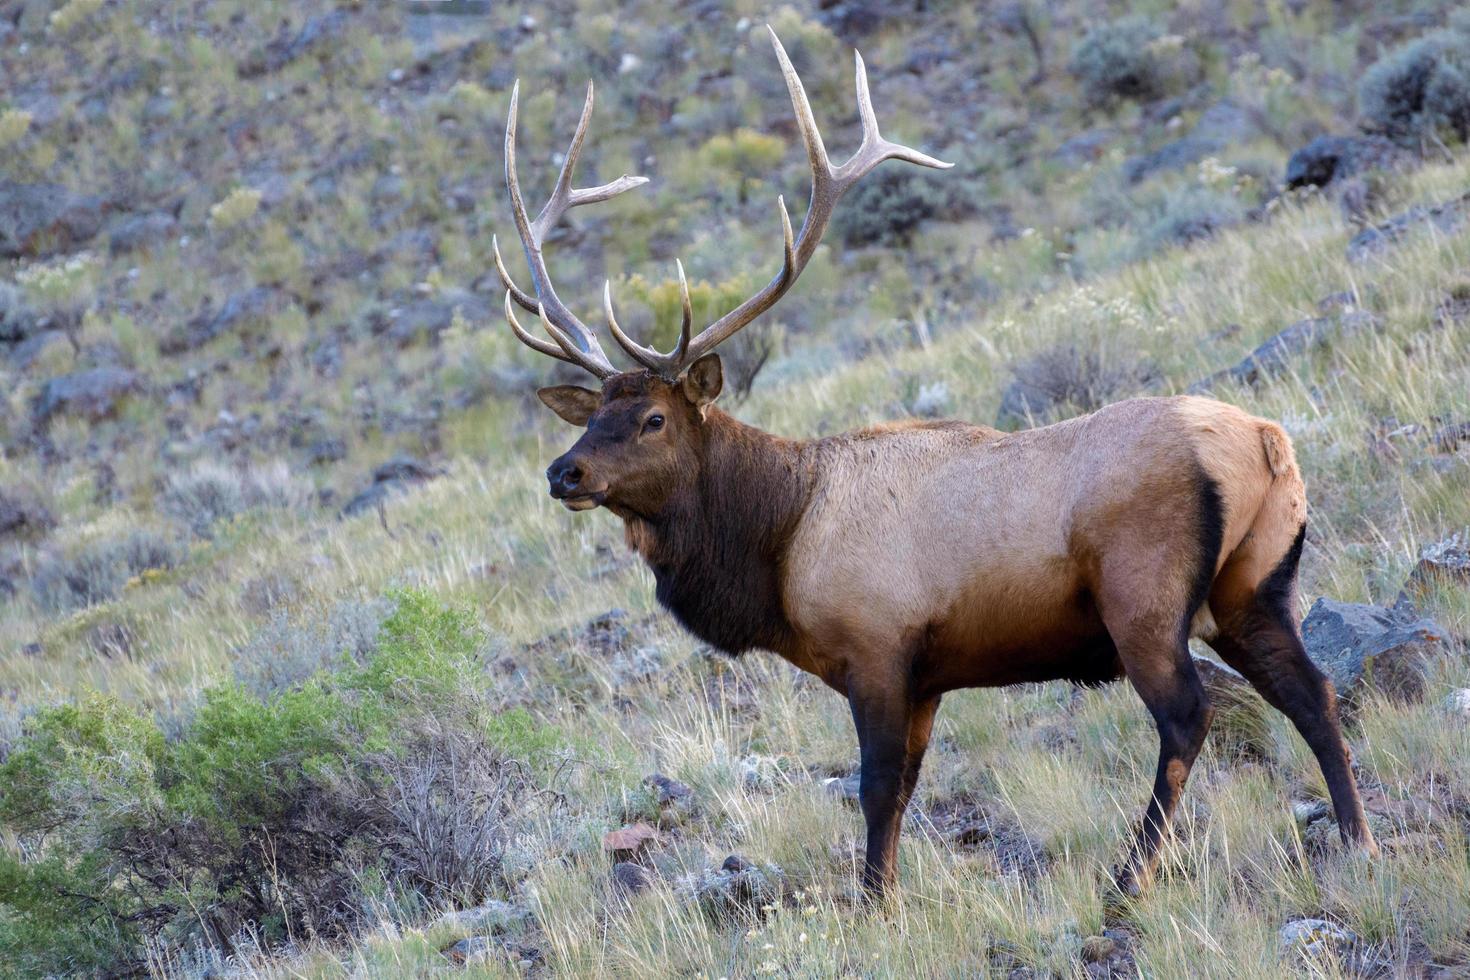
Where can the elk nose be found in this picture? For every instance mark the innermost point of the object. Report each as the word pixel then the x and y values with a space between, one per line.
pixel 564 475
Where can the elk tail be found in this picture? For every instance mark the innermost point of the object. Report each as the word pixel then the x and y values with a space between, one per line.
pixel 1280 457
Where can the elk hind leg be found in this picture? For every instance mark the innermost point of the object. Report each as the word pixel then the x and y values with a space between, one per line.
pixel 1259 637
pixel 1164 676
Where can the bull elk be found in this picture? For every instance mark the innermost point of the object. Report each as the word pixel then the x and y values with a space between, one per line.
pixel 905 560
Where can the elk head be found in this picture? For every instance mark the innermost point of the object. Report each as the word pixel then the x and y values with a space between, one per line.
pixel 645 427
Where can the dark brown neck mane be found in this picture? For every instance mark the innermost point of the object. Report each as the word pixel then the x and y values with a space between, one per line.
pixel 718 546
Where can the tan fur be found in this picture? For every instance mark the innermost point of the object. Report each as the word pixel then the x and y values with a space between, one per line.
pixel 988 541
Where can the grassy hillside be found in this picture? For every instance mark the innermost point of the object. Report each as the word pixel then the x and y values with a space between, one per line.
pixel 253 723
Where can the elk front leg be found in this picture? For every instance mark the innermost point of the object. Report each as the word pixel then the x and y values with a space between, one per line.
pixel 893 732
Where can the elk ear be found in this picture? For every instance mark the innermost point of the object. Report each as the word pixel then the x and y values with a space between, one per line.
pixel 573 404
pixel 703 380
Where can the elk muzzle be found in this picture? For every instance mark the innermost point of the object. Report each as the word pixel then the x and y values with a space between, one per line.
pixel 570 483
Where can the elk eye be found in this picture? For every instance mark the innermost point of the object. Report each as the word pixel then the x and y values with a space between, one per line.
pixel 653 423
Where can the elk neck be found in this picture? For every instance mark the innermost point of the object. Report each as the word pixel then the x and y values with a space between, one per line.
pixel 717 549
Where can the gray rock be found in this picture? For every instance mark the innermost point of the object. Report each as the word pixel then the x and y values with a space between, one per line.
pixel 141 231
pixel 37 220
pixel 1444 563
pixel 1316 937
pixel 249 306
pixel 475 949
pixel 397 475
pixel 1446 218
pixel 1458 703
pixel 1086 147
pixel 17 320
pixel 739 889
pixel 431 317
pixel 1333 158
pixel 1277 353
pixel 846 788
pixel 632 879
pixel 494 917
pixel 92 394
pixel 1227 122
pixel 1171 156
pixel 1358 646
pixel 668 791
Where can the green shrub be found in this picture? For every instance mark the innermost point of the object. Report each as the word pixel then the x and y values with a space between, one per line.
pixel 265 814
pixel 1120 60
pixel 1421 90
pixel 95 571
pixel 887 208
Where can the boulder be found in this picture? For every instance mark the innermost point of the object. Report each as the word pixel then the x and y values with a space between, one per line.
pixel 1276 354
pixel 1363 646
pixel 1444 563
pixel 26 353
pixel 395 476
pixel 1316 937
pixel 1227 122
pixel 1446 218
pixel 1084 148
pixel 93 394
pixel 1332 158
pixel 289 45
pixel 240 309
pixel 17 320
pixel 37 220
pixel 475 949
pixel 632 879
pixel 845 788
pixel 1174 155
pixel 738 890
pixel 491 918
pixel 141 231
pixel 628 843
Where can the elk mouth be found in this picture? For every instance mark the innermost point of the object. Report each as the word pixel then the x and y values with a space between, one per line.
pixel 582 501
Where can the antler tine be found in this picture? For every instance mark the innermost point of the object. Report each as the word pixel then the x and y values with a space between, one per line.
pixel 829 183
pixel 875 149
pixel 535 343
pixel 574 341
pixel 526 300
pixel 664 364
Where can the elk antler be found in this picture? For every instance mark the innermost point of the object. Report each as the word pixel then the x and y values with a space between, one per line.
pixel 576 344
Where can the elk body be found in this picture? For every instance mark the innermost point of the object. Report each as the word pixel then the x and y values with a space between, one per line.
pixel 903 561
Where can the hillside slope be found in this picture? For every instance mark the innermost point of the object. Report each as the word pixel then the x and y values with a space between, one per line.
pixel 297 655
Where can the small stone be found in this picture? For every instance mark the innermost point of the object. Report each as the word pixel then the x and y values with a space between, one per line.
pixel 475 949
pixel 634 879
pixel 629 842
pixel 1306 812
pixel 1458 703
pixel 845 788
pixel 1444 563
pixel 668 791
pixel 494 916
pixel 1316 936
pixel 735 863
pixel 1096 949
